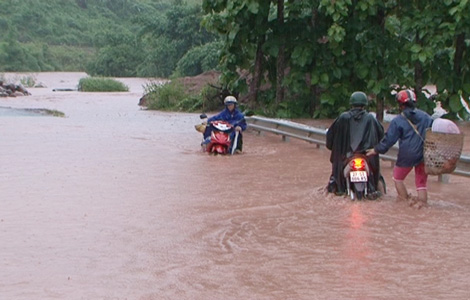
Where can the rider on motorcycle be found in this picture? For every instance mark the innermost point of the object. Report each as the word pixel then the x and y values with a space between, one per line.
pixel 353 131
pixel 232 115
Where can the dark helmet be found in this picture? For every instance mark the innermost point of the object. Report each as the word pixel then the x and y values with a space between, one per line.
pixel 406 96
pixel 358 99
pixel 230 100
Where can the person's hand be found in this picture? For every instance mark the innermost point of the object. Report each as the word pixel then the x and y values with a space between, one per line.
pixel 238 128
pixel 370 152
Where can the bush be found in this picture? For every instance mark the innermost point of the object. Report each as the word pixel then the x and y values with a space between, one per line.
pixel 211 99
pixel 100 84
pixel 164 96
pixel 172 96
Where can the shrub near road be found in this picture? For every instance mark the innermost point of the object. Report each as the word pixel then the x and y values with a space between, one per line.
pixel 99 84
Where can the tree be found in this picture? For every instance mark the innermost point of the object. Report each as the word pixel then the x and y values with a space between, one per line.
pixel 14 57
pixel 119 57
pixel 169 36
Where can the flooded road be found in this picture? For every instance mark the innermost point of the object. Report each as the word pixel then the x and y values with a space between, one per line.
pixel 114 202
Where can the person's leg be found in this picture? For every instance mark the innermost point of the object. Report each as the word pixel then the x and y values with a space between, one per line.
pixel 399 175
pixel 401 190
pixel 421 179
pixel 232 141
pixel 240 142
pixel 207 132
pixel 422 199
pixel 374 168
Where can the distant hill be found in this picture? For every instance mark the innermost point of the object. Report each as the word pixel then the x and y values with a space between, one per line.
pixel 71 22
pixel 66 35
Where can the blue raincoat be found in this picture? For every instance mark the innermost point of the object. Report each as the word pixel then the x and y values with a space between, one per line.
pixel 410 144
pixel 235 118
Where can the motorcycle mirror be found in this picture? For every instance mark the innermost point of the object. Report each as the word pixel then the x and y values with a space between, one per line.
pixel 203 116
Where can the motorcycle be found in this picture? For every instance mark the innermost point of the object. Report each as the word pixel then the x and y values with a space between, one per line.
pixel 357 175
pixel 220 140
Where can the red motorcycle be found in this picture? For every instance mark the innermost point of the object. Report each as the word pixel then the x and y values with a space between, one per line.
pixel 220 140
pixel 218 136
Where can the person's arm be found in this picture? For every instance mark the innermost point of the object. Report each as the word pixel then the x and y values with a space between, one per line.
pixel 390 138
pixel 217 117
pixel 240 122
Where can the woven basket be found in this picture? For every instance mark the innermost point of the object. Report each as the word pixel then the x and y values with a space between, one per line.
pixel 441 152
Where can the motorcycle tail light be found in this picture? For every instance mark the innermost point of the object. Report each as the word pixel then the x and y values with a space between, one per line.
pixel 358 164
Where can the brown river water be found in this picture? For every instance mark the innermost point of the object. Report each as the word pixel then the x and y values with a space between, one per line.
pixel 115 202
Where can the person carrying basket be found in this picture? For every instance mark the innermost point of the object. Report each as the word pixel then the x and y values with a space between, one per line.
pixel 409 129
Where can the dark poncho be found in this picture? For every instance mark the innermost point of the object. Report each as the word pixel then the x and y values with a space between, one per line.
pixel 353 131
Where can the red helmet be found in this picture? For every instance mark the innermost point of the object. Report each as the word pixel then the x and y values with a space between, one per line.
pixel 405 96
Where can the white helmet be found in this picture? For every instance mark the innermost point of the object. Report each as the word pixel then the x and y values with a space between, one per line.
pixel 230 100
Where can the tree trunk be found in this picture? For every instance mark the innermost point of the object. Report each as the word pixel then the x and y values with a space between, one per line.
pixel 280 56
pixel 257 73
pixel 380 109
pixel 418 72
pixel 418 78
pixel 459 49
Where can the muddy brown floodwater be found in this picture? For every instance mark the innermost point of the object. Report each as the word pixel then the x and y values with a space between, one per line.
pixel 114 202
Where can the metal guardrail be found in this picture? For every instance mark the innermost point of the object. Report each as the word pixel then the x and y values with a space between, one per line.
pixel 317 136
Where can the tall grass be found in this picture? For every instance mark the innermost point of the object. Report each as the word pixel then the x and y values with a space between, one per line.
pixel 101 84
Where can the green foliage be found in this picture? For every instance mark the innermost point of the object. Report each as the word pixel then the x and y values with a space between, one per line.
pixel 67 58
pixel 333 48
pixel 100 84
pixel 199 60
pixel 210 100
pixel 170 37
pixel 118 58
pixel 172 96
pixel 14 57
pixel 160 60
pixel 164 96
pixel 102 37
pixel 55 113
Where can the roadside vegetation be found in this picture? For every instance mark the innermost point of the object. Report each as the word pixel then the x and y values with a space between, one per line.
pixel 304 58
pixel 100 84
pixel 118 38
pixel 280 58
pixel 200 95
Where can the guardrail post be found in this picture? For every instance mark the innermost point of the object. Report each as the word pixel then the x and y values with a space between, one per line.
pixel 444 178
